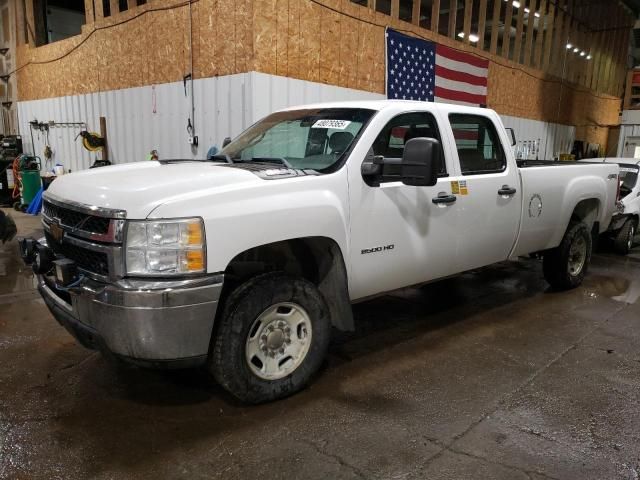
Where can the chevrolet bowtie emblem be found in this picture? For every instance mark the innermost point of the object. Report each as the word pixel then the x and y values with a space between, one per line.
pixel 56 232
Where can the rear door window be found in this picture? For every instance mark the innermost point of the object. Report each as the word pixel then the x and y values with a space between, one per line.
pixel 479 147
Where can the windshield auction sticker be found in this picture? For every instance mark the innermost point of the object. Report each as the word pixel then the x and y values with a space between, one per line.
pixel 335 124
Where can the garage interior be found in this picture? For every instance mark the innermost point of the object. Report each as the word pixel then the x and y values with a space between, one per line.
pixel 488 374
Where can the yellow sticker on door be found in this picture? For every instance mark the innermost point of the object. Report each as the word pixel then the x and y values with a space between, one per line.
pixel 463 187
pixel 455 187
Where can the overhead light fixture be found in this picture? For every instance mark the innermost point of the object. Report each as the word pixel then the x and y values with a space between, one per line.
pixel 583 53
pixel 576 50
pixel 7 104
pixel 3 51
pixel 569 46
pixel 472 37
pixel 588 57
pixel 5 78
pixel 537 15
pixel 516 4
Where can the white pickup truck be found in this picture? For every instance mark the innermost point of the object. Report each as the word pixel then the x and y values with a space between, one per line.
pixel 244 263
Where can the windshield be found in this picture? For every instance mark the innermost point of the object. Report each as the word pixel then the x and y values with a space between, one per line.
pixel 313 139
pixel 628 176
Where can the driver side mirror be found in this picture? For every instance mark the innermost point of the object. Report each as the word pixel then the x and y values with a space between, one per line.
pixel 420 162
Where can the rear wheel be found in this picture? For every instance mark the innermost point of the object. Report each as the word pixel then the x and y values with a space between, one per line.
pixel 272 338
pixel 624 239
pixel 564 267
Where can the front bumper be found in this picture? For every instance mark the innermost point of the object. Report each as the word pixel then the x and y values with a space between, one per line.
pixel 148 322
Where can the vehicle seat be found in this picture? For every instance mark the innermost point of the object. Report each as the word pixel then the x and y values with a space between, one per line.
pixel 472 160
pixel 418 132
pixel 340 141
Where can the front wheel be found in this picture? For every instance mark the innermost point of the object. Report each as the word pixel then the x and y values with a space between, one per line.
pixel 565 266
pixel 271 339
pixel 624 239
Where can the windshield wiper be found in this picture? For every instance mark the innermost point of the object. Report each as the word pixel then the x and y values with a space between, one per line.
pixel 221 157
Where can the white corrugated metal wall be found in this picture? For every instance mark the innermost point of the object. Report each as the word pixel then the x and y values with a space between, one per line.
pixel 155 117
pixel 627 133
pixel 554 137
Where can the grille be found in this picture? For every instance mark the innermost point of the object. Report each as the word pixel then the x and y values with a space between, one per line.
pixel 96 262
pixel 78 220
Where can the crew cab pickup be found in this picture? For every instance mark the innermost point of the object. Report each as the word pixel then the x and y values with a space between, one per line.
pixel 246 261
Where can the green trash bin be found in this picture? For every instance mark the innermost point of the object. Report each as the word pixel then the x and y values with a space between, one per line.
pixel 31 184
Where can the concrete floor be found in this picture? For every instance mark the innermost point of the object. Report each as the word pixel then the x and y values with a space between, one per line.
pixel 484 376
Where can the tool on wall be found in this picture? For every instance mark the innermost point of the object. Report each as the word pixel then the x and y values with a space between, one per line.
pixel 91 141
pixel 192 138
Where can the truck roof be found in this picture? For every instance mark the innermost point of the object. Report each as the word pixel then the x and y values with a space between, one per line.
pixel 384 104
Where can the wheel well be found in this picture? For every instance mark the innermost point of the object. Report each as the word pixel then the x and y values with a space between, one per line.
pixel 317 259
pixel 587 211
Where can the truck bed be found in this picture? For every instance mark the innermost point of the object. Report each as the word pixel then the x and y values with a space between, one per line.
pixel 550 195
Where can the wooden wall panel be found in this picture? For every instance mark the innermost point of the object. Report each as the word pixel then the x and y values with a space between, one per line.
pixel 517 46
pixel 299 39
pixel 482 20
pixel 495 32
pixel 548 40
pixel 506 36
pixel 533 7
pixel 293 39
pixel 453 12
pixel 466 23
pixel 435 15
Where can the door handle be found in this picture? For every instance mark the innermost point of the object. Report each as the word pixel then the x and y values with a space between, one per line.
pixel 507 190
pixel 444 198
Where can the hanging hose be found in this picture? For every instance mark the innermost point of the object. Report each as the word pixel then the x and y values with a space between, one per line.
pixel 92 141
pixel 17 183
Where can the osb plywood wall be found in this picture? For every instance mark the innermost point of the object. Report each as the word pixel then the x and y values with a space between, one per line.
pixel 148 44
pixel 330 41
pixel 343 44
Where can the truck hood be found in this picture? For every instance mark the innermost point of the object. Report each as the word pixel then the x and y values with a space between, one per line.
pixel 140 187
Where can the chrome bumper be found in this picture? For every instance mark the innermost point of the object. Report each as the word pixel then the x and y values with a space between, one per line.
pixel 144 321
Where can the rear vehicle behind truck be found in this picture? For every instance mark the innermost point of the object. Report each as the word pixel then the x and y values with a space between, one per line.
pixel 245 263
pixel 624 223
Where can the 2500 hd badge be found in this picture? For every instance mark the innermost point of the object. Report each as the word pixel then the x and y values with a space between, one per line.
pixel 364 251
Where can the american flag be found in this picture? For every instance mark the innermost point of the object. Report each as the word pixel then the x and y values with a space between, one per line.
pixel 421 70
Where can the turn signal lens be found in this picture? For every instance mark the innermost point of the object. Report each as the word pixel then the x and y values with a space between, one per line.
pixel 195 261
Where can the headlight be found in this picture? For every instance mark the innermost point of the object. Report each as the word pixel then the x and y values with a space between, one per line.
pixel 165 247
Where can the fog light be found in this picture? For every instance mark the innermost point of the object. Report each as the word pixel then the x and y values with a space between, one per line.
pixel 66 272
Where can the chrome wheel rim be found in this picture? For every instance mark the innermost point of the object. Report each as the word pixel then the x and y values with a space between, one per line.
pixel 577 256
pixel 632 232
pixel 278 341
